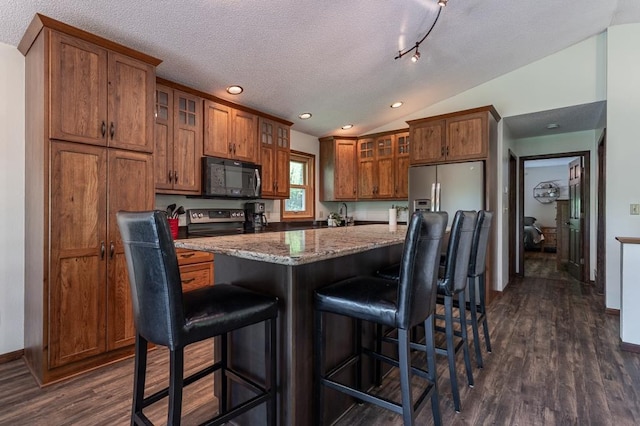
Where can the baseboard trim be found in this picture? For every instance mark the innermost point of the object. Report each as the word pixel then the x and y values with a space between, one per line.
pixel 612 311
pixel 11 356
pixel 630 347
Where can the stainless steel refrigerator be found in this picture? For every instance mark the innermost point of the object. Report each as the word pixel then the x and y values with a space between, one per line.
pixel 447 187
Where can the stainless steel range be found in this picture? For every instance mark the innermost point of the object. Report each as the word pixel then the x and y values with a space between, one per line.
pixel 212 222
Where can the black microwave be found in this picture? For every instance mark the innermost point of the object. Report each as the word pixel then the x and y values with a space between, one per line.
pixel 222 178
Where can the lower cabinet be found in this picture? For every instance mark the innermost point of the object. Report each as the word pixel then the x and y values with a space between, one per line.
pixel 80 313
pixel 196 268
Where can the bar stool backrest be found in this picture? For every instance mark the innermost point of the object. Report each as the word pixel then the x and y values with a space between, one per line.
pixel 419 268
pixel 154 276
pixel 477 263
pixel 458 252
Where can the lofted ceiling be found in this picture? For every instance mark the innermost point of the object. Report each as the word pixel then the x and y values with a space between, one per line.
pixel 334 59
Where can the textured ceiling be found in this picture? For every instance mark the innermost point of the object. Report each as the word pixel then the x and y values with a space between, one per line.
pixel 332 58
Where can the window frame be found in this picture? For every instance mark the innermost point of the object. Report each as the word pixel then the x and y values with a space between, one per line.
pixel 310 200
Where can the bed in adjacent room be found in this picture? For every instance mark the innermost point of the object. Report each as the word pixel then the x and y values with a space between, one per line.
pixel 533 235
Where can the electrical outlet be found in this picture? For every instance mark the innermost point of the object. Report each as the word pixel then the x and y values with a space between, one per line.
pixel 320 214
pixel 634 209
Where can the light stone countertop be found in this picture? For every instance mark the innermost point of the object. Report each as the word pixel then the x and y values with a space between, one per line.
pixel 300 246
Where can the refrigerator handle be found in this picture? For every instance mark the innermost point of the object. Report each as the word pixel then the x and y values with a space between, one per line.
pixel 432 207
pixel 437 197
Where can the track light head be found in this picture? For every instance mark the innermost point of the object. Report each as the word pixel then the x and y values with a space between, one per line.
pixel 415 56
pixel 442 3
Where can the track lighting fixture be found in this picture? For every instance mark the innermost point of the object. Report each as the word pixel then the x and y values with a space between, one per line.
pixel 416 55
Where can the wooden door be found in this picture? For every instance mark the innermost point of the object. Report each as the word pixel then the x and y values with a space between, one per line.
pixel 217 130
pixel 163 152
pixel 467 137
pixel 345 174
pixel 187 142
pixel 428 142
pixel 131 88
pixel 244 135
pixel 130 187
pixel 283 153
pixel 78 101
pixel 403 148
pixel 562 233
pixel 267 157
pixel 576 259
pixel 77 278
pixel 366 168
pixel 384 178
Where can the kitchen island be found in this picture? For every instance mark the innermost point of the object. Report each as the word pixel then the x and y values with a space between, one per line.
pixel 291 265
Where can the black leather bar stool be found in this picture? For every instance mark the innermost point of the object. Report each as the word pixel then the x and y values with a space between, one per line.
pixel 454 283
pixel 476 276
pixel 400 304
pixel 165 316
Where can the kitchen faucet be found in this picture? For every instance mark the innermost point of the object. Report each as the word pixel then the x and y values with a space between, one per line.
pixel 346 216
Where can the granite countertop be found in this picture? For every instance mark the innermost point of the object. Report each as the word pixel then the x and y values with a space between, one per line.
pixel 300 246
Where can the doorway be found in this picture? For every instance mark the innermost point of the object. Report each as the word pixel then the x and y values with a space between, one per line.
pixel 554 216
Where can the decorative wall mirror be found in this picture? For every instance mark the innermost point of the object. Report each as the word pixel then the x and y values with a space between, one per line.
pixel 546 192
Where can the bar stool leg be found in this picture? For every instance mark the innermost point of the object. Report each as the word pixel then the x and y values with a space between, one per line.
pixel 431 366
pixel 377 364
pixel 271 370
pixel 176 361
pixel 483 309
pixel 318 340
pixel 224 381
pixel 451 354
pixel 462 311
pixel 471 285
pixel 139 376
pixel 404 358
pixel 357 336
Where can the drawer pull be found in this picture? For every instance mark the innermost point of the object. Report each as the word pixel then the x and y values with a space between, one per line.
pixel 187 255
pixel 187 281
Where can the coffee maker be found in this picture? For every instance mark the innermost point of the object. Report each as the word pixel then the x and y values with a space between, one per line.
pixel 255 216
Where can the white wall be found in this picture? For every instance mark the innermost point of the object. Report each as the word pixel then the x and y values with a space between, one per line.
pixel 623 148
pixel 12 195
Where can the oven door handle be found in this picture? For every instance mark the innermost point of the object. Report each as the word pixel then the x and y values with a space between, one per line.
pixel 258 183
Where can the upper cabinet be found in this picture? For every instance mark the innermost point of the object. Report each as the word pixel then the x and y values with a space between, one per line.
pixel 338 169
pixel 99 96
pixel 178 141
pixel 460 136
pixel 402 150
pixel 230 132
pixel 274 158
pixel 376 172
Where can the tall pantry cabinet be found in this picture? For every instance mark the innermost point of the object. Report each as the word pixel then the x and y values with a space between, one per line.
pixel 89 144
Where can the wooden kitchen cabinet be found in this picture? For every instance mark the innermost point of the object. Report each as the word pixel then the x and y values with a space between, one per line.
pixel 338 169
pixel 230 133
pixel 99 96
pixel 90 302
pixel 460 136
pixel 376 167
pixel 196 268
pixel 402 160
pixel 178 141
pixel 274 158
pixel 78 312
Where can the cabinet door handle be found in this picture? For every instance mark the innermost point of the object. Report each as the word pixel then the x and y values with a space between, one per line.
pixel 187 255
pixel 112 250
pixel 442 151
pixel 447 151
pixel 103 128
pixel 187 281
pixel 102 248
pixel 170 176
pixel 234 149
pixel 230 148
pixel 112 130
pixel 175 176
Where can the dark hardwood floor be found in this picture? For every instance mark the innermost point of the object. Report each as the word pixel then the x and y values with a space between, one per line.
pixel 556 361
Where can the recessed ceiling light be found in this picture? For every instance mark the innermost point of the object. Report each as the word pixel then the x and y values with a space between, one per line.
pixel 552 126
pixel 397 104
pixel 304 116
pixel 234 90
pixel 347 126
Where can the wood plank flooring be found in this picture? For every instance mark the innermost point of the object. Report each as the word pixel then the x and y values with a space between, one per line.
pixel 555 361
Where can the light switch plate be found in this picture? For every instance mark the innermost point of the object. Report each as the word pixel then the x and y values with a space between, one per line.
pixel 634 209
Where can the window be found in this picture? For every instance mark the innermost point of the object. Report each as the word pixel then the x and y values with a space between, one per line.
pixel 301 202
